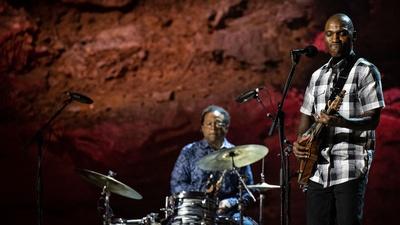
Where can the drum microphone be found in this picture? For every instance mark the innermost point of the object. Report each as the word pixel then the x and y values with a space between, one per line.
pixel 309 51
pixel 79 97
pixel 246 96
pixel 209 183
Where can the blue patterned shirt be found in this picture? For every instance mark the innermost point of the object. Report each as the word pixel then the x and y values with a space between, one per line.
pixel 187 176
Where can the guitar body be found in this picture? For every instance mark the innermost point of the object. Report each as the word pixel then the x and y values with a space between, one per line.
pixel 306 167
pixel 312 143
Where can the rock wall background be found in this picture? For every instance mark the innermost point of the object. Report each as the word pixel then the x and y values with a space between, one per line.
pixel 151 67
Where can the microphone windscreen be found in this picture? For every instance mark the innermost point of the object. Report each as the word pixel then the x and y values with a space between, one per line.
pixel 248 95
pixel 311 51
pixel 80 98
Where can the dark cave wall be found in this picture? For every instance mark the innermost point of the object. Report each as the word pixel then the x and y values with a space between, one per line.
pixel 151 67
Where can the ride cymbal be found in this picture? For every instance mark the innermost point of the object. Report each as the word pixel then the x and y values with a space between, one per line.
pixel 239 156
pixel 113 185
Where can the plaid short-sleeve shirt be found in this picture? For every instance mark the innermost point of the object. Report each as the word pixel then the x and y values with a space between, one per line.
pixel 345 154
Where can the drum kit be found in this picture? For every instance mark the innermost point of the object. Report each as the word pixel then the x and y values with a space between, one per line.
pixel 197 208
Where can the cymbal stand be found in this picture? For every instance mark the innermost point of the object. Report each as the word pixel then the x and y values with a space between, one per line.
pixel 107 209
pixel 241 185
pixel 105 194
pixel 261 207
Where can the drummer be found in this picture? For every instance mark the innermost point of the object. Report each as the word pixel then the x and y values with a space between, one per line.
pixel 187 176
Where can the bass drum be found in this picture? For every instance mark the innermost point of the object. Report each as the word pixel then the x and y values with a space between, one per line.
pixel 193 208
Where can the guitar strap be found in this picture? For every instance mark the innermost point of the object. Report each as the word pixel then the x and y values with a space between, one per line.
pixel 342 77
pixel 337 88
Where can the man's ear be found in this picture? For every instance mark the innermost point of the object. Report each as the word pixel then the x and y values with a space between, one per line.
pixel 226 128
pixel 354 36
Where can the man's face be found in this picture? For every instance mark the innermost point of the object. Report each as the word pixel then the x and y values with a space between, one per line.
pixel 338 37
pixel 213 128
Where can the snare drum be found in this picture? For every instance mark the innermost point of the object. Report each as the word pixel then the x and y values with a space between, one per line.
pixel 193 208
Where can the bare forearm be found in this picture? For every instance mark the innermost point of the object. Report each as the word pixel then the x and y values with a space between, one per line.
pixel 368 121
pixel 305 123
pixel 363 123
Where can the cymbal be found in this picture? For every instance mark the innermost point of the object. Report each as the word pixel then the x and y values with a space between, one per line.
pixel 114 185
pixel 242 155
pixel 263 187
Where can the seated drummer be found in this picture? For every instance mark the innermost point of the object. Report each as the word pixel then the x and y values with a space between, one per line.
pixel 187 176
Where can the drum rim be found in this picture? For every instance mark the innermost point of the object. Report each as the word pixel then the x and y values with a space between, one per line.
pixel 188 194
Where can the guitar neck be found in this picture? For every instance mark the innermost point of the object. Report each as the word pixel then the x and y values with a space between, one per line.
pixel 317 127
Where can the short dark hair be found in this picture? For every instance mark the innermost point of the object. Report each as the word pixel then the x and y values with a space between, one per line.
pixel 213 108
pixel 344 19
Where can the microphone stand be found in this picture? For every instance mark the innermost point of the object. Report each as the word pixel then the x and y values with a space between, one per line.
pixel 39 139
pixel 262 176
pixel 284 151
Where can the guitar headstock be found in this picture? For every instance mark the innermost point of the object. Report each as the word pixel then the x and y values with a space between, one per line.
pixel 335 104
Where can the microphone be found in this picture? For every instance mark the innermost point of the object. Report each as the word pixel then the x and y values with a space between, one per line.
pixel 309 51
pixel 246 96
pixel 209 184
pixel 210 178
pixel 79 97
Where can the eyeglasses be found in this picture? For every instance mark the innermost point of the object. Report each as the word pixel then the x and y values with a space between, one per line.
pixel 216 124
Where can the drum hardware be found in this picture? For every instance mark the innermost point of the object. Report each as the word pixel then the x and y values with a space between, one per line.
pixel 109 185
pixel 262 188
pixel 105 195
pixel 212 185
pixel 121 221
pixel 168 210
pixel 242 185
pixel 232 159
pixel 150 219
pixel 218 184
pixel 224 220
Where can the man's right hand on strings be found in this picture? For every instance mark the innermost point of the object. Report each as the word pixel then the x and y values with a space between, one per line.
pixel 299 148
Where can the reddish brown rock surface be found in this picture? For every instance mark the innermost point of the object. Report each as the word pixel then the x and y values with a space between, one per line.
pixel 102 3
pixel 151 67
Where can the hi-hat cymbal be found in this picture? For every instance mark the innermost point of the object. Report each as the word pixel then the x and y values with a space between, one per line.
pixel 263 187
pixel 113 185
pixel 241 155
